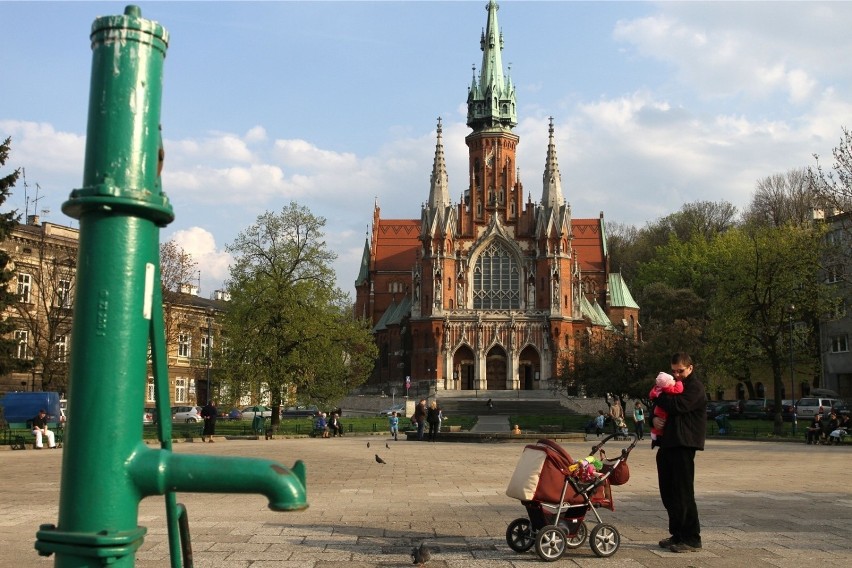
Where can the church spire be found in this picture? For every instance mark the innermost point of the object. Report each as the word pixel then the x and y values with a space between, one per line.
pixel 491 101
pixel 439 192
pixel 551 195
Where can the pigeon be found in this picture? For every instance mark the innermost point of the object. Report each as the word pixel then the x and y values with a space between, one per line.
pixel 386 445
pixel 368 444
pixel 379 460
pixel 421 555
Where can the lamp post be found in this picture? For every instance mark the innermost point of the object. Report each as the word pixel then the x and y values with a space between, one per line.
pixel 792 380
pixel 209 347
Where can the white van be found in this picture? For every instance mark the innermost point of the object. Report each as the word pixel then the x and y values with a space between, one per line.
pixel 809 406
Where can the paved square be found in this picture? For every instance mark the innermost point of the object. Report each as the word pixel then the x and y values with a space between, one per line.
pixel 761 504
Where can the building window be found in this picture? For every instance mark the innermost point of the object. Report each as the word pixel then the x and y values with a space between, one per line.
pixel 184 342
pixel 835 274
pixel 24 287
pixel 22 337
pixel 62 348
pixel 496 283
pixel 150 390
pixel 839 344
pixel 206 342
pixel 180 390
pixel 63 294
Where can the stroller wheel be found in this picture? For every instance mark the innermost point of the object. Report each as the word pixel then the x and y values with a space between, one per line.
pixel 577 539
pixel 550 543
pixel 519 535
pixel 604 540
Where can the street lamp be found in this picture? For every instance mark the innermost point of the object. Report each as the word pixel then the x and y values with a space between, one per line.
pixel 792 380
pixel 209 346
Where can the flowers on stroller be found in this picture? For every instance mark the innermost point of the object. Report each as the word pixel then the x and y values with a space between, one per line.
pixel 558 492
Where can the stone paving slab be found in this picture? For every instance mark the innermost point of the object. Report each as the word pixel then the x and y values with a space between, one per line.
pixel 761 505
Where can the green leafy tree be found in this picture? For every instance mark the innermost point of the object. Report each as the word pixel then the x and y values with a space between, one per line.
pixel 767 272
pixel 288 329
pixel 8 221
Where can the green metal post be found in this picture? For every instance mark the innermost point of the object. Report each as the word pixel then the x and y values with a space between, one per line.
pixel 106 468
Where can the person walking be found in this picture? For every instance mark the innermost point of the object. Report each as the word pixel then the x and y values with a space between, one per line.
pixel 393 424
pixel 209 414
pixel 639 420
pixel 419 418
pixel 684 432
pixel 433 417
pixel 616 413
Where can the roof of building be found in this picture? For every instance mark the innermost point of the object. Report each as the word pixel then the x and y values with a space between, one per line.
pixel 619 293
pixel 397 243
pixel 588 242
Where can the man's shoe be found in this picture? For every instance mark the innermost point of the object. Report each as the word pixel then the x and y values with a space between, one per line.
pixel 683 547
pixel 210 440
pixel 668 542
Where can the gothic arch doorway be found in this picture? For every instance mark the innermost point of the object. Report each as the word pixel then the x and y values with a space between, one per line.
pixel 529 365
pixel 495 369
pixel 463 368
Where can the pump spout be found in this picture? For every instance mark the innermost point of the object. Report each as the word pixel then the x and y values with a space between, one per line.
pixel 157 471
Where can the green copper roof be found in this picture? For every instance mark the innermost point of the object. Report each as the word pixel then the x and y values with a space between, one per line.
pixel 619 293
pixel 594 312
pixel 491 100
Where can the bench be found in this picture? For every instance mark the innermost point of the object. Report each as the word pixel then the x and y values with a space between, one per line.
pixel 454 428
pixel 18 434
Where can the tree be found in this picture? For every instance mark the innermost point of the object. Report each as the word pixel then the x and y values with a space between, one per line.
pixel 781 199
pixel 287 326
pixel 8 221
pixel 45 313
pixel 177 268
pixel 835 186
pixel 767 271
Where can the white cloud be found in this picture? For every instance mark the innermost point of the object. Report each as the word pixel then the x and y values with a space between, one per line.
pixel 212 262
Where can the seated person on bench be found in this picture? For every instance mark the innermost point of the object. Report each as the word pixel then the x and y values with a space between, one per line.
pixel 814 432
pixel 40 431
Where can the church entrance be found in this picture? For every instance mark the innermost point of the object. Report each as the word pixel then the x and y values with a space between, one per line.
pixel 529 364
pixel 463 368
pixel 495 369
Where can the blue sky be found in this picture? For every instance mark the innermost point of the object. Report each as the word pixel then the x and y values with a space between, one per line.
pixel 334 105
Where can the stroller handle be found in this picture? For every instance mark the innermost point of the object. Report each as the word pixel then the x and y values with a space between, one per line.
pixel 634 439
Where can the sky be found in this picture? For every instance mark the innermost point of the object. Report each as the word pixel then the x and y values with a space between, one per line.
pixel 334 105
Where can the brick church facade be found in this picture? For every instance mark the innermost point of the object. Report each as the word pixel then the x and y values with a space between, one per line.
pixel 493 292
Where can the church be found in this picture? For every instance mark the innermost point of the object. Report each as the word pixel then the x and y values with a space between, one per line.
pixel 492 292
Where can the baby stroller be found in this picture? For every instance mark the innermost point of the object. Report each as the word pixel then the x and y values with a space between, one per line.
pixel 558 492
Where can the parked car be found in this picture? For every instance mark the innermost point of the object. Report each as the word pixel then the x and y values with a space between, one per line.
pixel 755 408
pixel 249 412
pixel 186 414
pixel 717 407
pixel 809 406
pixel 300 411
pixel 148 416
pixel 398 408
pixel 787 410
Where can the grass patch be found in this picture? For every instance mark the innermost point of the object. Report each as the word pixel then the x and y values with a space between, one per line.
pixel 302 426
pixel 567 422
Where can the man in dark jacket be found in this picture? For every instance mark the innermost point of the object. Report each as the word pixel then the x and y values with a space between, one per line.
pixel 684 431
pixel 209 414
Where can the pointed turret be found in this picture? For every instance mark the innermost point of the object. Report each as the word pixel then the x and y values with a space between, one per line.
pixel 364 273
pixel 491 102
pixel 554 214
pixel 439 191
pixel 551 195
